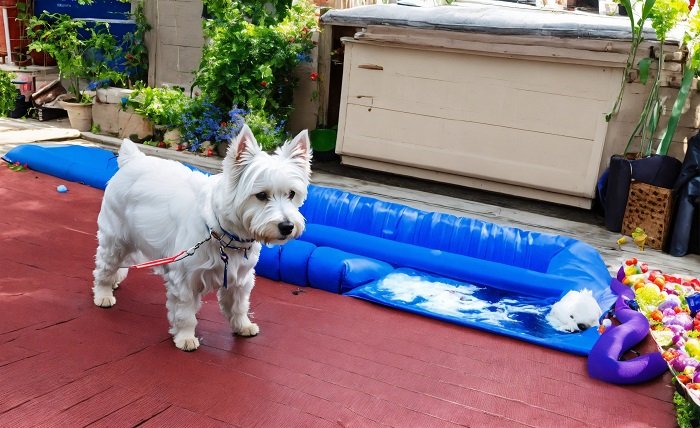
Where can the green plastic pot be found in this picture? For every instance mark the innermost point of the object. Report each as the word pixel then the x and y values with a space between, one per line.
pixel 323 140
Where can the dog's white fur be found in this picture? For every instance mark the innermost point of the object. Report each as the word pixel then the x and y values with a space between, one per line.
pixel 154 208
pixel 576 311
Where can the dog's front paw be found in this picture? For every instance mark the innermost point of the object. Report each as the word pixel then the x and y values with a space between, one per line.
pixel 105 301
pixel 187 344
pixel 248 330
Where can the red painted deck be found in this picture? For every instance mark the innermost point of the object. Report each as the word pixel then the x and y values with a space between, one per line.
pixel 320 360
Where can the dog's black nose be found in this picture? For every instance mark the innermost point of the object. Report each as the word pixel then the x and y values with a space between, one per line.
pixel 286 227
pixel 581 326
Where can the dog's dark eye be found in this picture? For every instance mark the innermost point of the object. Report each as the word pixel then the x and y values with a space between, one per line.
pixel 571 316
pixel 291 194
pixel 262 196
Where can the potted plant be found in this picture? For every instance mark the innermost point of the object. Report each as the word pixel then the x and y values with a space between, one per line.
pixel 651 163
pixel 324 137
pixel 84 52
pixel 163 107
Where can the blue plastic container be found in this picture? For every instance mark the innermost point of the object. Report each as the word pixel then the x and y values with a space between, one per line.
pixel 99 9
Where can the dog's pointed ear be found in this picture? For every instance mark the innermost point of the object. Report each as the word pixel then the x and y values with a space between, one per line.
pixel 244 147
pixel 298 149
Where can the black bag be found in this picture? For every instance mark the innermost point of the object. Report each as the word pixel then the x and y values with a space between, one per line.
pixel 657 170
pixel 685 236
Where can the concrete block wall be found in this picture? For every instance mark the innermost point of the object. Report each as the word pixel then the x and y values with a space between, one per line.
pixel 175 41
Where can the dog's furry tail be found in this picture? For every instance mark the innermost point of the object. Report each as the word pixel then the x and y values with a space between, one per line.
pixel 128 151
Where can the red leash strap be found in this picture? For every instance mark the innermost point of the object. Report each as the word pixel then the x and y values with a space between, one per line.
pixel 158 262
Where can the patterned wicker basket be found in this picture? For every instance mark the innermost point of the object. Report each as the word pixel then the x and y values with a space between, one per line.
pixel 649 207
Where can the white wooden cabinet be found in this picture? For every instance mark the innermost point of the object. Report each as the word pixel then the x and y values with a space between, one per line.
pixel 517 115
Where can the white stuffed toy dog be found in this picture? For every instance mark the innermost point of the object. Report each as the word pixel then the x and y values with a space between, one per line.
pixel 576 311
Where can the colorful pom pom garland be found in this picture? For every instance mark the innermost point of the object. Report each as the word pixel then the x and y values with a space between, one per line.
pixel 668 306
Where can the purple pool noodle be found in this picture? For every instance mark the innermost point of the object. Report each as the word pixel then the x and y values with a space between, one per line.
pixel 621 274
pixel 621 289
pixel 604 360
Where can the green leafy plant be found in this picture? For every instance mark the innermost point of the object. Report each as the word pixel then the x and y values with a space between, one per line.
pixel 257 12
pixel 664 15
pixel 687 414
pixel 8 93
pixel 251 53
pixel 135 51
pixel 267 131
pixel 691 39
pixel 637 28
pixel 82 50
pixel 163 106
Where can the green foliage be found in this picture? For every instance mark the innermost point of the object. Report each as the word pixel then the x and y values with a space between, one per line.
pixel 666 14
pixel 268 134
pixel 163 106
pixel 135 51
pixel 257 12
pixel 691 39
pixel 637 28
pixel 251 54
pixel 77 57
pixel 687 413
pixel 8 93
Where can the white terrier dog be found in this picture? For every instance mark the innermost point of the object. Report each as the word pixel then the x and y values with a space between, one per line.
pixel 576 311
pixel 155 208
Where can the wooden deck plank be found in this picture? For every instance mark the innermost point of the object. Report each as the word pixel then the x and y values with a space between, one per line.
pixel 175 416
pixel 11 353
pixel 330 385
pixel 497 368
pixel 42 408
pixel 93 408
pixel 33 377
pixel 133 414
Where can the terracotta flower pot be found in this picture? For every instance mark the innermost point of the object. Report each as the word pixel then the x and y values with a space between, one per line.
pixel 42 59
pixel 79 115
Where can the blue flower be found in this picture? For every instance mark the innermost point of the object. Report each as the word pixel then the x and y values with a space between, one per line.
pixel 303 57
pixel 97 84
pixel 280 126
